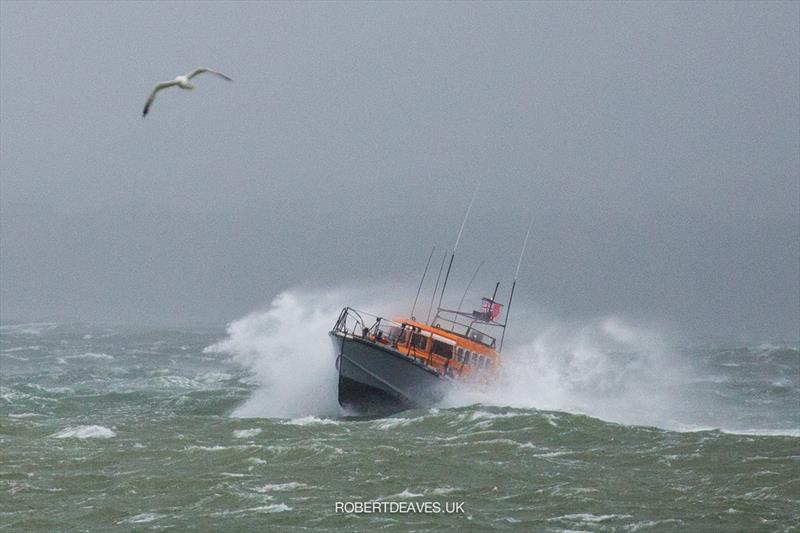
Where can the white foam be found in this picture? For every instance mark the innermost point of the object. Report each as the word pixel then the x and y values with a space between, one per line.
pixel 485 415
pixel 311 421
pixel 22 349
pixel 390 423
pixel 271 508
pixel 589 517
pixel 142 518
pixel 441 491
pixel 218 448
pixel 607 368
pixel 764 432
pixel 770 432
pixel 407 494
pixel 246 433
pixel 30 328
pixel 288 349
pixel 281 487
pixel 91 355
pixel 85 432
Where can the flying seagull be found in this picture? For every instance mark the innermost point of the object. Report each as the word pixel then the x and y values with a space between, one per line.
pixel 180 81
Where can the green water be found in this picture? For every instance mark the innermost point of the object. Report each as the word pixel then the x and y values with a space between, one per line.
pixel 109 429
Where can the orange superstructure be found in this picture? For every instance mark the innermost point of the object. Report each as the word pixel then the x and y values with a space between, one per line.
pixel 450 354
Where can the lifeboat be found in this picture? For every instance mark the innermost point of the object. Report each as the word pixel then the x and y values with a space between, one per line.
pixel 388 365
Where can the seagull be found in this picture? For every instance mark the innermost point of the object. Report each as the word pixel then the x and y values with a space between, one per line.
pixel 180 81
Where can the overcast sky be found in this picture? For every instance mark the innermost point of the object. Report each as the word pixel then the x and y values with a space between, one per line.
pixel 655 145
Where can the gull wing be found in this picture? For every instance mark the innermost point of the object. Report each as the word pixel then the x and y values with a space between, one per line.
pixel 162 85
pixel 200 70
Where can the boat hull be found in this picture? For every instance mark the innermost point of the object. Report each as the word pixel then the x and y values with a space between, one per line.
pixel 375 379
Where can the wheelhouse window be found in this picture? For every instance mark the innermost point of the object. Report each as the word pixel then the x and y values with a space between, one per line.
pixel 466 356
pixel 474 361
pixel 460 355
pixel 420 342
pixel 442 349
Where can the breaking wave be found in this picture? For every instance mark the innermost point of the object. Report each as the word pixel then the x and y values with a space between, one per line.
pixel 609 368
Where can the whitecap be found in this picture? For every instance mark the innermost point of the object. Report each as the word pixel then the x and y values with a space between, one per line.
pixel 485 415
pixel 389 423
pixel 22 349
pixel 279 487
pixel 589 517
pixel 271 508
pixel 407 494
pixel 441 491
pixel 764 432
pixel 85 432
pixel 142 518
pixel 311 420
pixel 245 433
pixel 31 328
pixel 91 355
pixel 218 448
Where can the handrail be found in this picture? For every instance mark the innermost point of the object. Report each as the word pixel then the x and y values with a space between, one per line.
pixel 353 322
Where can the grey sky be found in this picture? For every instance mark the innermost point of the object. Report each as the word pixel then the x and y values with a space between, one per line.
pixel 656 145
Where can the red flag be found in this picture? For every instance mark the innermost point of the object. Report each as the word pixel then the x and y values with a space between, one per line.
pixel 492 309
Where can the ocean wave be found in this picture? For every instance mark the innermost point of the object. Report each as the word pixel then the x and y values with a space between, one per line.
pixel 29 328
pixel 390 423
pixel 311 421
pixel 91 355
pixel 246 433
pixel 33 348
pixel 763 432
pixel 281 487
pixel 85 432
pixel 142 518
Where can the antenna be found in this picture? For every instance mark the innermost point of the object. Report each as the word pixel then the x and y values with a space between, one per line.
pixel 465 292
pixel 513 285
pixel 433 296
pixel 420 282
pixel 455 247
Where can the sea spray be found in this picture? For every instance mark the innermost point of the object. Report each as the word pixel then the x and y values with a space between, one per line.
pixel 287 348
pixel 610 368
pixel 607 368
pixel 289 352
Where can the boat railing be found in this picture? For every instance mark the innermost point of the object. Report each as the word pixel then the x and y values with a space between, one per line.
pixel 448 319
pixel 374 328
pixel 362 324
pixel 366 325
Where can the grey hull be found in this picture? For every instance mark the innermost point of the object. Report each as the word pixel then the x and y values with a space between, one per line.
pixel 374 379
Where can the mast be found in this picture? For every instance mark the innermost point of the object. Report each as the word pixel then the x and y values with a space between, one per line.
pixel 458 310
pixel 514 284
pixel 420 282
pixel 435 287
pixel 455 246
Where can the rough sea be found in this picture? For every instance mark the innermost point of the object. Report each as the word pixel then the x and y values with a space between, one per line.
pixel 599 426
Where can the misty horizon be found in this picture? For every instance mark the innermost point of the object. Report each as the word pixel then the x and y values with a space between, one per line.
pixel 655 146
